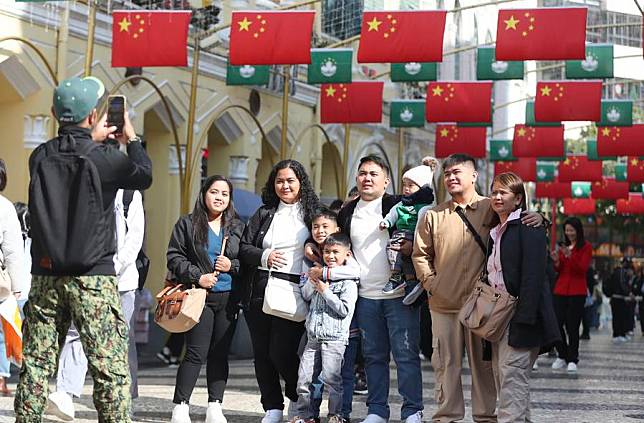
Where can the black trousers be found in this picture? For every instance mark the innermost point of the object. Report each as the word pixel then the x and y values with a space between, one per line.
pixel 208 342
pixel 569 311
pixel 426 331
pixel 275 344
pixel 619 309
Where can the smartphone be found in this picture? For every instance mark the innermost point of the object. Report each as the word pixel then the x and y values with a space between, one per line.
pixel 116 112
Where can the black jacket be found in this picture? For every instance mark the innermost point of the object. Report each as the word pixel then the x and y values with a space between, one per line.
pixel 116 170
pixel 188 261
pixel 523 260
pixel 346 213
pixel 251 249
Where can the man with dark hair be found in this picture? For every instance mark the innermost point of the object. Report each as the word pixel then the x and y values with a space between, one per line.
pixel 3 175
pixel 88 297
pixel 448 259
pixel 388 327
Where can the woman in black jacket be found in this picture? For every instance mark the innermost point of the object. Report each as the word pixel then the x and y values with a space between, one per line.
pixel 517 265
pixel 195 258
pixel 274 240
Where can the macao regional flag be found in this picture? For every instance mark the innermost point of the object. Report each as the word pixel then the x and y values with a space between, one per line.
pixel 452 139
pixel 556 33
pixel 609 189
pixel 150 38
pixel 620 140
pixel 358 102
pixel 524 167
pixel 271 37
pixel 459 102
pixel 402 36
pixel 561 100
pixel 330 65
pixel 12 328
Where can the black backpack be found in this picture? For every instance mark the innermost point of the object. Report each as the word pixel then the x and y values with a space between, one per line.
pixel 68 223
pixel 142 260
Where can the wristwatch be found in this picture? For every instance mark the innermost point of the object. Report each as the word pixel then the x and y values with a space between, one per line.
pixel 135 139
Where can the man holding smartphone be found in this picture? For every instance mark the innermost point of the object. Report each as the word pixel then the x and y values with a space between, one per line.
pixel 69 284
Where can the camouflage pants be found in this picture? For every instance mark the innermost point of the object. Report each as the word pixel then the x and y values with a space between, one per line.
pixel 93 304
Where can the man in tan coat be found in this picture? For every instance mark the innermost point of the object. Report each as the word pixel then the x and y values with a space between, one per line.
pixel 448 260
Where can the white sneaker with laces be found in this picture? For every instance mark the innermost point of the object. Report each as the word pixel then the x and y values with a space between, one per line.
pixel 572 368
pixel 181 413
pixel 374 418
pixel 214 413
pixel 559 363
pixel 61 405
pixel 273 416
pixel 417 417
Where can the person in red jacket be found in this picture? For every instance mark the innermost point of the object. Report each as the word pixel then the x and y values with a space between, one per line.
pixel 572 261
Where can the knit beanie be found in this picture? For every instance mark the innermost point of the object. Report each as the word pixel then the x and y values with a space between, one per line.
pixel 420 175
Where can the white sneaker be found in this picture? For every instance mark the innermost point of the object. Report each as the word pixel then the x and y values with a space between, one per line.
pixel 619 339
pixel 61 405
pixel 214 413
pixel 535 366
pixel 374 418
pixel 417 417
pixel 572 368
pixel 273 416
pixel 181 413
pixel 559 363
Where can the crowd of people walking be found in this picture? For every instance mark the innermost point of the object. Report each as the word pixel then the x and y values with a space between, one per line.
pixel 318 287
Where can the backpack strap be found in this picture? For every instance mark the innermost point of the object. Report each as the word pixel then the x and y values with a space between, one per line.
pixel 128 196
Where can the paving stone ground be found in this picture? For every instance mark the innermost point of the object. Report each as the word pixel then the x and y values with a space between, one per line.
pixel 608 388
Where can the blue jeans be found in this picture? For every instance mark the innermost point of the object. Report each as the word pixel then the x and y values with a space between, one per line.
pixel 389 326
pixel 349 376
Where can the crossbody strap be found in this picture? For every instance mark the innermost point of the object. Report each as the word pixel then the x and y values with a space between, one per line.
pixel 469 225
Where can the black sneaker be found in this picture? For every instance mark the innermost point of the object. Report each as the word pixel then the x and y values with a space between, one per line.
pixel 395 284
pixel 164 355
pixel 360 387
pixel 414 294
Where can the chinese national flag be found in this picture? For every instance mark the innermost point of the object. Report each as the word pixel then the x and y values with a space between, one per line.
pixel 553 190
pixel 579 168
pixel 609 189
pixel 459 102
pixel 358 102
pixel 633 205
pixel 558 100
pixel 525 168
pixel 150 38
pixel 635 169
pixel 532 141
pixel 451 139
pixel 399 37
pixel 271 37
pixel 579 206
pixel 620 140
pixel 541 34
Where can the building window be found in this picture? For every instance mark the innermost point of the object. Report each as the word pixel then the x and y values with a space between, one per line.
pixel 342 19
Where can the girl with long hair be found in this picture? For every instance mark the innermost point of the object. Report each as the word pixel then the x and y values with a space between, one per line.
pixel 196 258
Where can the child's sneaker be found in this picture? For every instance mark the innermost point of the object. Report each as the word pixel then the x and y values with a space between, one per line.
pixel 395 284
pixel 414 294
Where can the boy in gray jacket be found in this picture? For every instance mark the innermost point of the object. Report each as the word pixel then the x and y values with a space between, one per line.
pixel 327 327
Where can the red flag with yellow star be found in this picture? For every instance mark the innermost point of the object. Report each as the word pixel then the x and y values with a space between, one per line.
pixel 525 168
pixel 150 38
pixel 579 168
pixel 579 206
pixel 609 189
pixel 358 102
pixel 635 169
pixel 553 189
pixel 452 139
pixel 620 140
pixel 402 36
pixel 271 37
pixel 562 100
pixel 633 205
pixel 532 141
pixel 556 33
pixel 459 102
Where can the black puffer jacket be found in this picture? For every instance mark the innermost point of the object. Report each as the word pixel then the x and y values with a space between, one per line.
pixel 188 261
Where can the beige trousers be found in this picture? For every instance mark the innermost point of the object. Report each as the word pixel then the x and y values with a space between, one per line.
pixel 512 367
pixel 450 338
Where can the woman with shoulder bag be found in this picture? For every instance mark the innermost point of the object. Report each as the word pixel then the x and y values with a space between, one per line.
pixel 273 245
pixel 195 258
pixel 517 265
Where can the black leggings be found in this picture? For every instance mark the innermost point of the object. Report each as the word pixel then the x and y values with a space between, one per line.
pixel 569 310
pixel 207 343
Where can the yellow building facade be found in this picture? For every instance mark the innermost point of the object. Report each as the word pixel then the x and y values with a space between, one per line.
pixel 235 145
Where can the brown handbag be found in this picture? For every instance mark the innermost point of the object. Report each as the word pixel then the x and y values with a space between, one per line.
pixel 179 308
